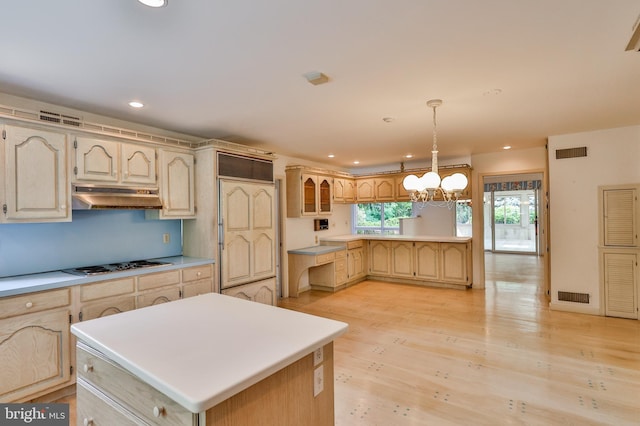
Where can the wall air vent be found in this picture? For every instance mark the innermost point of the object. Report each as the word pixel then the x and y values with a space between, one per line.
pixel 54 117
pixel 566 296
pixel 571 152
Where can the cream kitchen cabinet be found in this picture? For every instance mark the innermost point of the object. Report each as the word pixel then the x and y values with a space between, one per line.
pixel 435 263
pixel 356 261
pixel 177 186
pixel 308 194
pixel 35 181
pixel 344 190
pixel 261 291
pixel 106 298
pixel 34 344
pixel 375 189
pixel 113 162
pixel 379 258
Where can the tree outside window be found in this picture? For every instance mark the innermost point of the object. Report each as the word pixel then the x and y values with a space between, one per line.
pixel 380 218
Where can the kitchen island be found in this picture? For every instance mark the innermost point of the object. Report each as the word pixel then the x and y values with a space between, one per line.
pixel 207 360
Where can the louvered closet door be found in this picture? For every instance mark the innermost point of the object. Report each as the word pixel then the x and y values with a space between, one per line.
pixel 619 212
pixel 620 285
pixel 248 225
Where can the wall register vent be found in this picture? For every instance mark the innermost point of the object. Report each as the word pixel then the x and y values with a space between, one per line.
pixel 571 152
pixel 54 117
pixel 566 296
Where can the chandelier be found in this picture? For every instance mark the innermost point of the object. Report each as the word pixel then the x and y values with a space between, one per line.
pixel 429 186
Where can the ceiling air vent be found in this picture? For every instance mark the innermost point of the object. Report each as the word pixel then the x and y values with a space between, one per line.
pixel 571 152
pixel 54 117
pixel 566 296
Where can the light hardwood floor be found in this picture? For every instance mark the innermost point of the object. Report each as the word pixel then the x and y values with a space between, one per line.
pixel 428 356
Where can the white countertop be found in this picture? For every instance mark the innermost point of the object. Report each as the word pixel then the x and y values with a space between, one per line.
pixel 202 350
pixel 428 238
pixel 314 250
pixel 21 284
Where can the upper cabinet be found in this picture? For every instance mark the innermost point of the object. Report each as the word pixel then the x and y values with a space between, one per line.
pixel 36 184
pixel 344 190
pixel 177 186
pixel 308 194
pixel 117 163
pixel 374 189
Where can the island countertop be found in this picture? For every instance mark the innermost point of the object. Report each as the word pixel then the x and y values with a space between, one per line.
pixel 202 350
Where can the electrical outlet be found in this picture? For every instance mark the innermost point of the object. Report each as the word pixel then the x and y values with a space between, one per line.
pixel 318 356
pixel 166 238
pixel 318 380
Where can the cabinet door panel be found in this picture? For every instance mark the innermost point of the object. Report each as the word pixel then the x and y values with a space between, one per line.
pixel 402 259
pixel 178 186
pixel 427 260
pixel 380 252
pixel 454 262
pixel 34 353
pixel 36 180
pixel 138 164
pixel 96 160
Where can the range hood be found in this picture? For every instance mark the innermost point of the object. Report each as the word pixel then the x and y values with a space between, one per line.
pixel 86 197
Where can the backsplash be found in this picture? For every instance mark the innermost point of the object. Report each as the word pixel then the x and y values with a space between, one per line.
pixel 94 237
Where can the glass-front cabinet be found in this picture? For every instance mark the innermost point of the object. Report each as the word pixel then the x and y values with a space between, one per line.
pixel 308 194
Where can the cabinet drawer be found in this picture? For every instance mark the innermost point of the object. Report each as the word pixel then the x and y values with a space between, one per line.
pixel 325 258
pixel 342 254
pixel 354 244
pixel 196 273
pixel 197 288
pixel 156 297
pixel 96 408
pixel 129 391
pixel 34 302
pixel 106 307
pixel 106 289
pixel 161 279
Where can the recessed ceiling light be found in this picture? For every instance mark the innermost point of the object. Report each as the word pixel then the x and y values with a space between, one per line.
pixel 154 3
pixel 388 119
pixel 331 155
pixel 136 104
pixel 506 147
pixel 408 156
pixel 356 162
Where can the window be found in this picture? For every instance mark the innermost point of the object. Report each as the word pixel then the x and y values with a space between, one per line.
pixel 380 218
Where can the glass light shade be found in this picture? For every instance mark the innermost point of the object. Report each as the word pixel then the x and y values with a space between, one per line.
pixel 447 184
pixel 410 183
pixel 430 180
pixel 154 3
pixel 459 182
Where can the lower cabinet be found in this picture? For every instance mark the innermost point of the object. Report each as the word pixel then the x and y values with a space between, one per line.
pixel 260 291
pixel 620 281
pixel 434 263
pixel 35 344
pixel 35 340
pixel 356 261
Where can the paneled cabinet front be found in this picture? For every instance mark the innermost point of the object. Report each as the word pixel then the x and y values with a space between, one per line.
pixel 34 344
pixel 36 183
pixel 177 185
pixel 308 194
pixel 102 161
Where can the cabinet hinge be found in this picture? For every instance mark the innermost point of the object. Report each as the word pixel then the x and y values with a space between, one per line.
pixel 80 316
pixel 75 144
pixel 75 170
pixel 4 134
pixel 71 370
pixel 194 161
pixel 70 319
pixel 4 208
pixel 180 294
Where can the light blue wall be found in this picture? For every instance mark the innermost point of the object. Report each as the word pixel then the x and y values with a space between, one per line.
pixel 93 237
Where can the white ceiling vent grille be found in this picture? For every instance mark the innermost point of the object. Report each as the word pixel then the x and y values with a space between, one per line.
pixel 571 152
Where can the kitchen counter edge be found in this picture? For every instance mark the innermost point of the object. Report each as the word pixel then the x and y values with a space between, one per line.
pixel 427 238
pixel 31 283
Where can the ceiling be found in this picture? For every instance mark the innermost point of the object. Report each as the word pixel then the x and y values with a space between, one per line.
pixel 509 72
